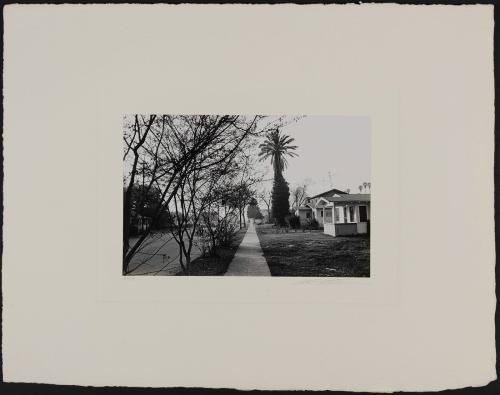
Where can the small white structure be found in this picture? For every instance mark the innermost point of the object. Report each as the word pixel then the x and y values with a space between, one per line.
pixel 339 213
pixel 305 213
pixel 347 215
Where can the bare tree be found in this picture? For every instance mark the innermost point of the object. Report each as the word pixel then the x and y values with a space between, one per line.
pixel 266 197
pixel 220 219
pixel 172 148
pixel 243 191
pixel 191 200
pixel 299 195
pixel 136 131
pixel 195 200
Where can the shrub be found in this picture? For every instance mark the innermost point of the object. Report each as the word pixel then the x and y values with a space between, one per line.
pixel 226 233
pixel 312 224
pixel 293 221
pixel 203 241
pixel 209 238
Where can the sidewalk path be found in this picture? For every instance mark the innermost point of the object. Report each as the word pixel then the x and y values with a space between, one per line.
pixel 249 259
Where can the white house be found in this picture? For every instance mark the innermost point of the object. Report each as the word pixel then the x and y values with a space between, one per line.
pixel 314 210
pixel 338 212
pixel 347 214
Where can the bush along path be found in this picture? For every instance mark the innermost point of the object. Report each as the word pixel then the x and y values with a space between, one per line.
pixel 249 259
pixel 217 264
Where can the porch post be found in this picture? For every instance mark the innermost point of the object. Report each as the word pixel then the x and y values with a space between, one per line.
pixel 334 231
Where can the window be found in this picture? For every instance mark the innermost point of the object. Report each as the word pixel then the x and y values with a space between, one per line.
pixel 337 214
pixel 308 215
pixel 321 213
pixel 351 213
pixel 345 214
pixel 363 216
pixel 328 215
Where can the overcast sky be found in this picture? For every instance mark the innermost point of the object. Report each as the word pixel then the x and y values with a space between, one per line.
pixel 339 145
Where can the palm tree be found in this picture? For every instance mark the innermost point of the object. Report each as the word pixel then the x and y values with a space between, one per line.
pixel 348 190
pixel 360 188
pixel 277 146
pixel 365 184
pixel 370 186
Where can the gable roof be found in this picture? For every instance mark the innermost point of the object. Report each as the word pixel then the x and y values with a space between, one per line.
pixel 355 197
pixel 321 200
pixel 331 192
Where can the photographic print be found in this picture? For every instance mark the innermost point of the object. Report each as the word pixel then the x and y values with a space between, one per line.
pixel 246 195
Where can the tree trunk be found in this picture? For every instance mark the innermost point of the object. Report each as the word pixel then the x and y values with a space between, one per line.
pixel 181 260
pixel 126 230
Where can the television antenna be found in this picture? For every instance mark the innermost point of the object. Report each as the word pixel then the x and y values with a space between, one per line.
pixel 330 177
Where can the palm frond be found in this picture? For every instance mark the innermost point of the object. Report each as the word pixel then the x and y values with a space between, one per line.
pixel 277 147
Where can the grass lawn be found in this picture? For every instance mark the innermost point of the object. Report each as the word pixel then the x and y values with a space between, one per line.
pixel 216 265
pixel 314 254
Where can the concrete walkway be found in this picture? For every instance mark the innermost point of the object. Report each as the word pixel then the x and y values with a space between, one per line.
pixel 249 259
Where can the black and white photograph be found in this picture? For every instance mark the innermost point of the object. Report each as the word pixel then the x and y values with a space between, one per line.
pixel 250 197
pixel 246 195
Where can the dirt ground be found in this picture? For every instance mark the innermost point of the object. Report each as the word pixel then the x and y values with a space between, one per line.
pixel 314 254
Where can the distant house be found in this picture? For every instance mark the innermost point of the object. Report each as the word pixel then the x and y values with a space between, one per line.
pixel 313 210
pixel 338 212
pixel 139 223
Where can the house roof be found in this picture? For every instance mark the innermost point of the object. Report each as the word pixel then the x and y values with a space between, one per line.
pixel 329 193
pixel 322 200
pixel 355 197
